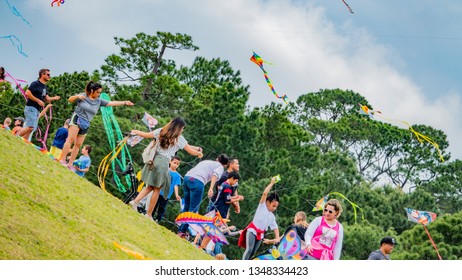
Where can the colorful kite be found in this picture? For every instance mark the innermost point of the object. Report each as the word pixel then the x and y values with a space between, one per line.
pixel 322 202
pixel 348 6
pixel 117 162
pixel 420 137
pixel 133 140
pixel 364 110
pixel 420 217
pixel 204 225
pixel 15 42
pixel 59 2
pixel 16 12
pixel 17 83
pixel 290 248
pixel 423 218
pixel 149 120
pixel 259 61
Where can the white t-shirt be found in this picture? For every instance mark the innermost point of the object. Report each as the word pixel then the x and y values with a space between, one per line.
pixel 205 170
pixel 263 219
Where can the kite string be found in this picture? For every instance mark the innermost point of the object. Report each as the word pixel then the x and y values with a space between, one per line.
pixel 433 243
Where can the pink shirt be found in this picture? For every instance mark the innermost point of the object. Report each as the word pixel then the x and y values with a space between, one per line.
pixel 324 240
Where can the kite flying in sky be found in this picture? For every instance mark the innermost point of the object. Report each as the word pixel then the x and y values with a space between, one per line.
pixel 348 6
pixel 364 110
pixel 15 42
pixel 259 61
pixel 17 13
pixel 59 2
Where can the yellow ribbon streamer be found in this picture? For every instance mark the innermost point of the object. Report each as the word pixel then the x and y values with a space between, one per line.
pixel 106 161
pixel 131 252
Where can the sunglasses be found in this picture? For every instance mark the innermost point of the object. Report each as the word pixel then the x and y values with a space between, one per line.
pixel 327 210
pixel 48 75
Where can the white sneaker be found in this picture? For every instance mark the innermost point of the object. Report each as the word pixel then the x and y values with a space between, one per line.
pixel 149 217
pixel 134 205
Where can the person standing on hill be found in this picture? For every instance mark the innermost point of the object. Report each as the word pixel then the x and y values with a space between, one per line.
pixel 253 235
pixel 324 236
pixel 88 104
pixel 155 174
pixel 36 94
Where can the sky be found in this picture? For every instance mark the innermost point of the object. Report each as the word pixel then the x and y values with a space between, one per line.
pixel 403 56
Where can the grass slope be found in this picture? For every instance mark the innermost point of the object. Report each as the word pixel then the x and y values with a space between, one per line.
pixel 49 213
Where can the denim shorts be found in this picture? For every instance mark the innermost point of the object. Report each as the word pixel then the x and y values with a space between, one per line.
pixel 73 121
pixel 31 114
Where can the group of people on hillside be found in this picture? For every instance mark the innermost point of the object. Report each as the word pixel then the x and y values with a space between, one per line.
pixel 322 238
pixel 70 137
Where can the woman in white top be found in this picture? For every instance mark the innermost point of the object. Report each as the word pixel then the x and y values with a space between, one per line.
pixel 155 174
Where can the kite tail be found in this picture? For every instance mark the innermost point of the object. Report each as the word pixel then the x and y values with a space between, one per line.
pixel 16 81
pixel 433 243
pixel 131 252
pixel 352 204
pixel 106 161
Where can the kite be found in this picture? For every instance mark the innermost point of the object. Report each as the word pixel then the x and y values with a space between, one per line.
pixel 420 217
pixel 149 121
pixel 204 225
pixel 322 202
pixel 420 137
pixel 15 42
pixel 423 218
pixel 134 139
pixel 59 2
pixel 348 6
pixel 17 13
pixel 364 110
pixel 17 82
pixel 259 61
pixel 290 248
pixel 118 147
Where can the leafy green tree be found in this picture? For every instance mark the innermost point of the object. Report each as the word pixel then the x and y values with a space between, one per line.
pixel 446 232
pixel 447 187
pixel 141 60
pixel 204 72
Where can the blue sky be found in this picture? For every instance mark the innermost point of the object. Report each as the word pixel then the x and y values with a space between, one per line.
pixel 403 56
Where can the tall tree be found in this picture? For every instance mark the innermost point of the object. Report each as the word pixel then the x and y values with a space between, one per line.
pixel 141 59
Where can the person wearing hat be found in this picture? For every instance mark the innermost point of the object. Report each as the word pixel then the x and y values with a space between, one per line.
pixel 18 123
pixel 386 247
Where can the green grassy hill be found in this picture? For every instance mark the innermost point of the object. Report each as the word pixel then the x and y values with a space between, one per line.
pixel 49 213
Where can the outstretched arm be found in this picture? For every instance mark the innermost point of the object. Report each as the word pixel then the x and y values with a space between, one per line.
pixel 142 134
pixel 267 190
pixel 120 103
pixel 193 150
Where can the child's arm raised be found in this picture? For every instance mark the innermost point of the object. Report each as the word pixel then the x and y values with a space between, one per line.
pixel 267 190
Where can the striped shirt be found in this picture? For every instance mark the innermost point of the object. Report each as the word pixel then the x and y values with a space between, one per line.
pixel 170 151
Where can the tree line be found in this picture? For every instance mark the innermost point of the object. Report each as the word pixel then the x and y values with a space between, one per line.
pixel 319 144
